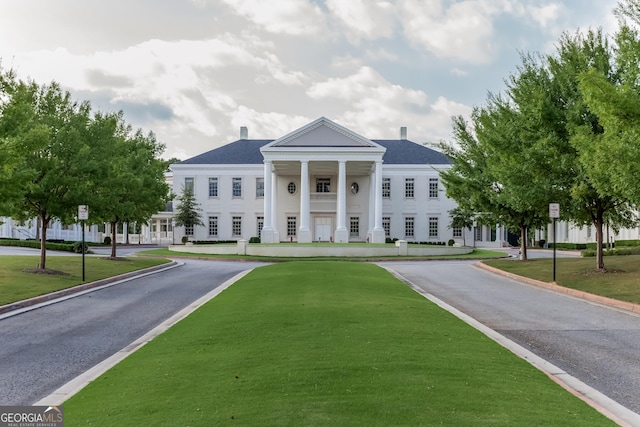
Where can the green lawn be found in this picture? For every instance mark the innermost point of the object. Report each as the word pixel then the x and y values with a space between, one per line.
pixel 621 281
pixel 336 344
pixel 476 254
pixel 16 285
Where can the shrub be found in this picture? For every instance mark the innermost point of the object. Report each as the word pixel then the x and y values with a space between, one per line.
pixel 185 239
pixel 629 250
pixel 451 242
pixel 254 240
pixel 68 247
pixel 79 247
pixel 107 240
pixel 626 243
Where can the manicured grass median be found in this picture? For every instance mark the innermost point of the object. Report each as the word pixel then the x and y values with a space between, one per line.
pixel 621 281
pixel 17 285
pixel 336 344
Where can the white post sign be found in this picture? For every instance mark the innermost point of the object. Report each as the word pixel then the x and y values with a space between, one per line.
pixel 83 212
pixel 554 210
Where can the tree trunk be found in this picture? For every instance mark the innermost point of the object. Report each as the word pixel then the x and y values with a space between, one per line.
pixel 599 233
pixel 114 234
pixel 523 243
pixel 43 243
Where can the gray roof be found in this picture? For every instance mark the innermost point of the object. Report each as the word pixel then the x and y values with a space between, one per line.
pixel 247 152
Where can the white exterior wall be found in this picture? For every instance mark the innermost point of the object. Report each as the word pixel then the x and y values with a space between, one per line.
pixel 249 207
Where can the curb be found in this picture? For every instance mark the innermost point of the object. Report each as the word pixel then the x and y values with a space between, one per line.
pixel 24 304
pixel 609 302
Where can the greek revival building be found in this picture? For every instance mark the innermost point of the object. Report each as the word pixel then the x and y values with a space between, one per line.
pixel 321 182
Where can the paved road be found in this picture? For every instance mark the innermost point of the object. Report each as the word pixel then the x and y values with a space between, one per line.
pixel 600 346
pixel 45 348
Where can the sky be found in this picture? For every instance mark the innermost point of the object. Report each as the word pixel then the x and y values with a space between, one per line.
pixel 195 71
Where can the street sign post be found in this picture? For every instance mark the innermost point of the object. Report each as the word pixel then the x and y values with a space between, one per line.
pixel 83 215
pixel 554 213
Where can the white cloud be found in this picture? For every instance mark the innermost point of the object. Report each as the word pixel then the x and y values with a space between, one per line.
pixel 546 15
pixel 363 19
pixel 459 72
pixel 292 17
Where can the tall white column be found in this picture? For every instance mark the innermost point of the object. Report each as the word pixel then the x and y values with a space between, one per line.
pixel 371 209
pixel 378 231
pixel 274 207
pixel 342 234
pixel 304 233
pixel 267 227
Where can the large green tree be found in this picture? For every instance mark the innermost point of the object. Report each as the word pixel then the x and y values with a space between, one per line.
pixel 189 212
pixel 132 185
pixel 44 134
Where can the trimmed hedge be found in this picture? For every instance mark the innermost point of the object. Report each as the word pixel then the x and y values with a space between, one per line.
pixel 629 250
pixel 626 243
pixel 569 246
pixel 213 242
pixel 68 247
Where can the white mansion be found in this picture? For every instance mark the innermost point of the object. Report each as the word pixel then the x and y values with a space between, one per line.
pixel 321 182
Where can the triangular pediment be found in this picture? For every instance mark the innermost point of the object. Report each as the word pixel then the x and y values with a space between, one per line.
pixel 323 133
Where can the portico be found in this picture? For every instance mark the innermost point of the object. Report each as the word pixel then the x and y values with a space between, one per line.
pixel 346 172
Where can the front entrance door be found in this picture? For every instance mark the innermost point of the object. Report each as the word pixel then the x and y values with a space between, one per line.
pixel 322 230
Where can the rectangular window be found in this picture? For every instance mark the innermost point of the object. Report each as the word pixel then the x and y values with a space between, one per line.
pixel 354 226
pixel 386 188
pixel 188 184
pixel 323 185
pixel 433 227
pixel 213 226
pixel 408 226
pixel 237 187
pixel 292 226
pixel 433 188
pixel 386 224
pixel 408 188
pixel 260 225
pixel 478 233
pixel 259 188
pixel 213 187
pixel 188 230
pixel 236 229
pixel 457 231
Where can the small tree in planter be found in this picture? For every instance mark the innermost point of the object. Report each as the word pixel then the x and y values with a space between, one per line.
pixel 188 212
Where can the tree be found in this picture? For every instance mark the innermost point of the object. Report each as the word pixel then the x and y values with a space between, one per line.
pixel 188 211
pixel 44 134
pixel 463 219
pixel 132 186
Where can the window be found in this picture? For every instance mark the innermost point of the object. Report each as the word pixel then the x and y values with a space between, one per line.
pixel 386 188
pixel 408 188
pixel 292 226
pixel 291 188
pixel 386 224
pixel 478 233
pixel 188 184
pixel 213 187
pixel 259 188
pixel 588 231
pixel 323 185
pixel 354 227
pixel 408 226
pixel 237 187
pixel 457 231
pixel 236 229
pixel 213 226
pixel 354 188
pixel 433 226
pixel 188 230
pixel 433 188
pixel 260 225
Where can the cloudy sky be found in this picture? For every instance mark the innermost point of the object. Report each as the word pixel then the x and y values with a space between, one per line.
pixel 194 71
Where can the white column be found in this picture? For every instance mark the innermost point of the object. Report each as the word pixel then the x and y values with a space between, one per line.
pixel 267 227
pixel 378 231
pixel 304 233
pixel 342 234
pixel 371 209
pixel 274 207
